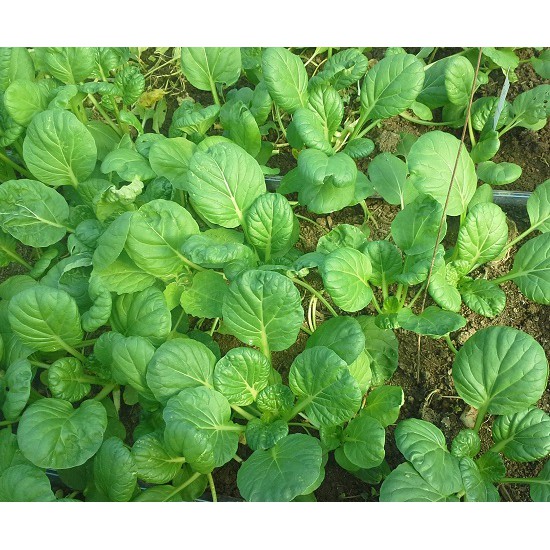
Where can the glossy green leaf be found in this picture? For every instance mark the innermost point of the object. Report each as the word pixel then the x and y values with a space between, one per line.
pixel 360 370
pixel 17 388
pixel 476 487
pixel 170 158
pixel 205 297
pixel 483 297
pixel 538 207
pixel 423 445
pixel 70 65
pixel 345 275
pixel 208 412
pixel 414 229
pixel 241 126
pixel 272 227
pixel 154 464
pixel 283 472
pixel 381 345
pixel 178 364
pixel 33 213
pixel 343 335
pixel 264 309
pixel 384 404
pixel 142 313
pixel 523 436
pixel 483 235
pixel 388 175
pixel 498 174
pixel 285 77
pixel 466 443
pixel 51 434
pixel 321 379
pixel 531 270
pixel 25 483
pixel 23 99
pixel 115 473
pixel 343 235
pixel 66 379
pixel 385 260
pixel 205 67
pixel 363 441
pixel 45 318
pixel 155 235
pixel 241 374
pixel 433 321
pixel 359 148
pixel 491 466
pixel 275 399
pixel 58 149
pixel 405 484
pixel 431 162
pixel 223 182
pixel 262 435
pixel 459 79
pixel 540 491
pixel 500 370
pixel 486 148
pixel 15 63
pixel 130 357
pixel 391 86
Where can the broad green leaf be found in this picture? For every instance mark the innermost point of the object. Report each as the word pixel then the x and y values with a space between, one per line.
pixel 431 162
pixel 498 174
pixel 124 276
pixel 241 126
pixel 206 67
pixel 540 490
pixel 385 260
pixel 178 364
pixel 195 120
pixel 275 399
pixel 66 379
pixel 423 445
pixel 129 165
pixel 391 86
pixel 343 335
pixel 405 484
pixel 102 303
pixel 361 371
pixel 223 182
pixel 309 126
pixel 483 235
pixel 142 313
pixel 154 464
pixel 10 455
pixel 208 412
pixel 523 436
pixel 45 318
pixel 503 57
pixel 388 175
pixel 205 297
pixel 51 434
pixel 25 483
pixel 8 253
pixel 345 275
pixel 500 370
pixel 170 158
pixel 241 374
pixel 459 79
pixel 23 99
pixel 327 103
pixel 58 149
pixel 538 207
pixel 129 84
pixel 381 345
pixel 486 148
pixel 442 286
pixel 342 70
pixel 322 381
pixel 434 93
pixel 531 107
pixel 384 404
pixel 33 213
pixel 283 472
pixel 264 309
pixel 531 270
pixel 477 488
pixel 15 63
pixel 285 77
pixel 343 235
pixel 263 435
pixel 130 357
pixel 414 229
pixel 155 235
pixel 433 321
pixel 483 297
pixel 484 109
pixel 359 148
pixel 466 443
pixel 215 248
pixel 115 473
pixel 363 441
pixel 70 65
pixel 17 388
pixel 159 493
pixel 271 226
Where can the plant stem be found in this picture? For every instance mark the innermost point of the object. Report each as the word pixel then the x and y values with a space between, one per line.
pixel 306 330
pixel 39 364
pixel 15 166
pixel 17 258
pixel 181 487
pixel 105 391
pixel 450 344
pixel 214 326
pixel 528 480
pixel 86 343
pixel 315 293
pixel 105 116
pixel 480 417
pixel 521 236
pixel 238 459
pixel 375 301
pixel 303 425
pixel 367 214
pixel 367 129
pixel 9 422
pixel 471 131
pixel 312 222
pixel 242 412
pixel 423 122
pixel 214 92
pixel 212 487
pixel 280 120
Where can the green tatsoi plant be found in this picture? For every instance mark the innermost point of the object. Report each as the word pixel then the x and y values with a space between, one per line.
pixel 500 371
